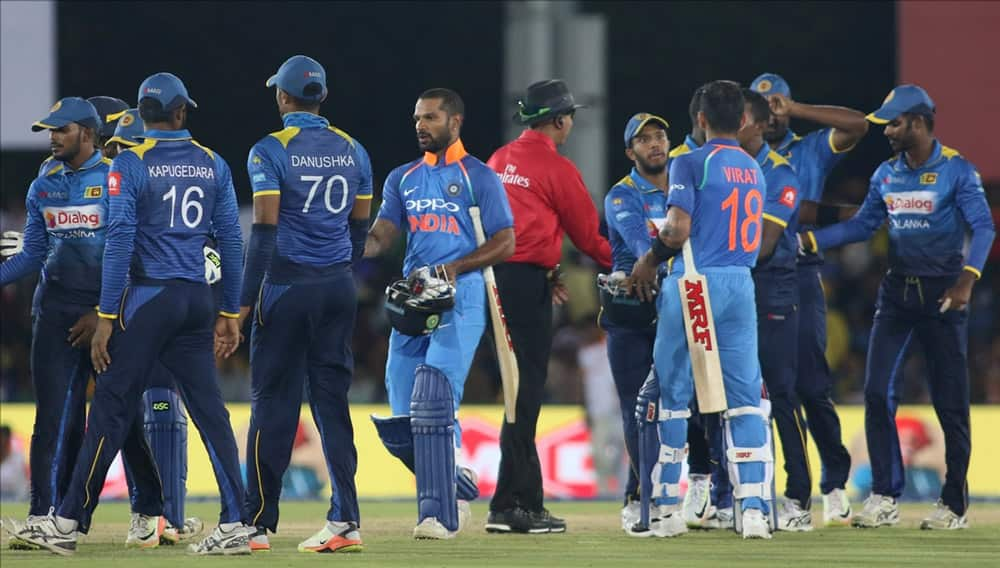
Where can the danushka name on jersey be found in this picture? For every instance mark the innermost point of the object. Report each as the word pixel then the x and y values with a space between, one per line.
pixel 180 171
pixel 342 161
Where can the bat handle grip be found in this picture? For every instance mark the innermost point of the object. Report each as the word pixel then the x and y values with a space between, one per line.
pixel 689 268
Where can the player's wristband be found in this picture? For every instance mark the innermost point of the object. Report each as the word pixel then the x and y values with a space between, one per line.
pixel 103 315
pixel 975 272
pixel 229 315
pixel 661 252
pixel 827 215
pixel 809 242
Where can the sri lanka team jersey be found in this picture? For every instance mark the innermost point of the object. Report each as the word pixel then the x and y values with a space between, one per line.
pixel 635 211
pixel 930 209
pixel 319 171
pixel 64 234
pixel 168 196
pixel 722 188
pixel 429 201
pixel 776 278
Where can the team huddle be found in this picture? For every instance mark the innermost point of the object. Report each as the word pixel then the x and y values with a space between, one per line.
pixel 714 256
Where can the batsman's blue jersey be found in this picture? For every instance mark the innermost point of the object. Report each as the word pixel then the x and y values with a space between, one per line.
pixel 429 201
pixel 930 210
pixel 168 196
pixel 319 171
pixel 776 278
pixel 635 211
pixel 64 234
pixel 722 188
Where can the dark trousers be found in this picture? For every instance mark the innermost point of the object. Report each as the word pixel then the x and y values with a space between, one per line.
pixel 630 354
pixel 815 385
pixel 777 331
pixel 301 335
pixel 60 374
pixel 526 296
pixel 907 315
pixel 170 321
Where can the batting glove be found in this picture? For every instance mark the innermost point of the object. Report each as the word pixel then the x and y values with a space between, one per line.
pixel 12 243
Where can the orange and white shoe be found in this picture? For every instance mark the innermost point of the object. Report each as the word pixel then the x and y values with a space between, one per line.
pixel 145 531
pixel 334 537
pixel 259 541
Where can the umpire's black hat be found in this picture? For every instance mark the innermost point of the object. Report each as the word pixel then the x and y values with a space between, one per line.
pixel 544 100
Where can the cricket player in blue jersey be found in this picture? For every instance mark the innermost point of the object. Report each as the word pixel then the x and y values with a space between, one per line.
pixel 312 186
pixel 635 210
pixel 64 235
pixel 717 200
pixel 167 196
pixel 933 198
pixel 428 199
pixel 813 156
pixel 776 285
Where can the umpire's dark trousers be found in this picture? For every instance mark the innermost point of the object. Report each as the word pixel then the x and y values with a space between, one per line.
pixel 302 337
pixel 907 314
pixel 171 321
pixel 526 295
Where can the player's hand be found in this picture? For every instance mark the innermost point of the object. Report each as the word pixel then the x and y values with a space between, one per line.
pixel 99 345
pixel 227 336
pixel 82 331
pixel 642 282
pixel 958 296
pixel 11 243
pixel 780 104
pixel 560 293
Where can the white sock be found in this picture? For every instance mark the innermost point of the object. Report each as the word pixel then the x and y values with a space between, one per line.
pixel 65 525
pixel 230 527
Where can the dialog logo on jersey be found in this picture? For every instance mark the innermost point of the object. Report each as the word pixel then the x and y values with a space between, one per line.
pixel 68 218
pixel 912 202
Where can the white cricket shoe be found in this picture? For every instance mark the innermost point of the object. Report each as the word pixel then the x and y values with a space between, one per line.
pixel 720 519
pixel 668 525
pixel 15 529
pixel 464 514
pixel 944 519
pixel 755 524
pixel 144 531
pixel 172 535
pixel 334 537
pixel 877 511
pixel 234 540
pixel 47 534
pixel 837 509
pixel 432 529
pixel 792 517
pixel 697 501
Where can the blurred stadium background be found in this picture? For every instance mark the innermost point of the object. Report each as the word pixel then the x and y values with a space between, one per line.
pixel 619 57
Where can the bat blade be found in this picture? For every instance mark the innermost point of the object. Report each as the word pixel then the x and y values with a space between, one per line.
pixel 699 327
pixel 509 374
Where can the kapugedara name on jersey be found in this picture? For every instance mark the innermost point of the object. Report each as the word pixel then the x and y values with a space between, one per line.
pixel 342 161
pixel 180 171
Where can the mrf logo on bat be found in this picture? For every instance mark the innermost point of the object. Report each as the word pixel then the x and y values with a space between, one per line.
pixel 694 295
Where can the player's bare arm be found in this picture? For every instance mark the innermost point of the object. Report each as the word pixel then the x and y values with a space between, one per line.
pixel 675 231
pixel 772 234
pixel 380 238
pixel 849 125
pixel 495 250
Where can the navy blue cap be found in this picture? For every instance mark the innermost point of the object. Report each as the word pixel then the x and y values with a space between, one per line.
pixel 302 77
pixel 903 99
pixel 771 84
pixel 65 111
pixel 108 110
pixel 638 120
pixel 166 88
pixel 130 129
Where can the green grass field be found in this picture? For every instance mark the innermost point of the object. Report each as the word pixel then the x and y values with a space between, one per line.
pixel 593 539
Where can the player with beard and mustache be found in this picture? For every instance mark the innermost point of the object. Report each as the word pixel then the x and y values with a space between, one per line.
pixel 635 210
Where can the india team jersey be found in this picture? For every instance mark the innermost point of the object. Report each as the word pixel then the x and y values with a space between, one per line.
pixel 168 196
pixel 319 171
pixel 776 278
pixel 722 188
pixel 930 210
pixel 64 233
pixel 635 211
pixel 430 201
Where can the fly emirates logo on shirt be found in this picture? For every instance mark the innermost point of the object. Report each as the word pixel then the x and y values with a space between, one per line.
pixel 511 177
pixel 432 215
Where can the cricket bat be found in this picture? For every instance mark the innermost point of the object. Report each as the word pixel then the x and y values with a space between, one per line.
pixel 509 375
pixel 699 326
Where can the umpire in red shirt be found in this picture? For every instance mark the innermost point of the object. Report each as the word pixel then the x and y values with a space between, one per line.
pixel 547 196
